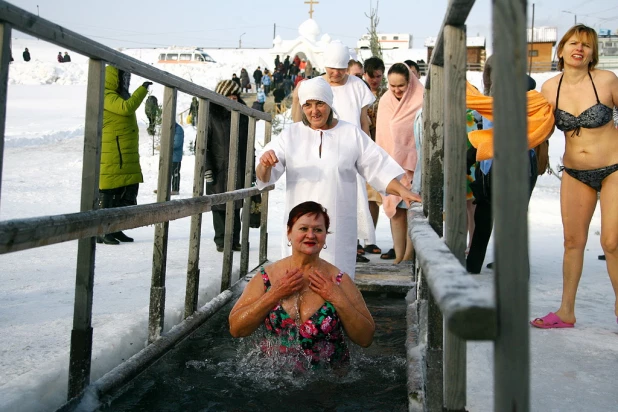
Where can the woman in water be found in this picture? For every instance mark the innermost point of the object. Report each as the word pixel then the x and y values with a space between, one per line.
pixel 309 304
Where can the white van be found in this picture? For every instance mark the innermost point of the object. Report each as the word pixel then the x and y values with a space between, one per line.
pixel 187 56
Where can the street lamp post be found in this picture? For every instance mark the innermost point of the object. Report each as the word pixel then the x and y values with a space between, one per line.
pixel 240 41
pixel 574 15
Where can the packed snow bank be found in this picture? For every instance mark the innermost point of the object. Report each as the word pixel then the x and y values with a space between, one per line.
pixel 44 68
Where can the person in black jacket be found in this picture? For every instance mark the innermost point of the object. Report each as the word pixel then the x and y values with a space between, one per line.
pixel 26 55
pixel 257 77
pixel 482 190
pixel 217 160
pixel 236 79
pixel 279 95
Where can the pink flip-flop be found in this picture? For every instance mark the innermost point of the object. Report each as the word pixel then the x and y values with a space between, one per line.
pixel 550 321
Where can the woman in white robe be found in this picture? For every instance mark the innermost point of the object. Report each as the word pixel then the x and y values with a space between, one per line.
pixel 321 158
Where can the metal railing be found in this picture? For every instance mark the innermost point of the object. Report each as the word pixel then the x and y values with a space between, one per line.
pixel 451 306
pixel 20 234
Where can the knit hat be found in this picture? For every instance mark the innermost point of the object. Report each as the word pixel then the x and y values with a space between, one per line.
pixel 336 56
pixel 316 89
pixel 227 87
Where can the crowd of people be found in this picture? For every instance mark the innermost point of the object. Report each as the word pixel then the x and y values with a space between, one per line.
pixel 356 145
pixel 280 81
pixel 392 117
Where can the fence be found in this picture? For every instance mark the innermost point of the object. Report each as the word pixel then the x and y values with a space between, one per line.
pixel 534 67
pixel 451 306
pixel 20 234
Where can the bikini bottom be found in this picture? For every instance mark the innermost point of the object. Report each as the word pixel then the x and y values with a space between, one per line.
pixel 594 177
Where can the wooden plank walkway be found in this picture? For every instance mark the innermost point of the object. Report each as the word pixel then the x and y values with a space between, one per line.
pixel 384 277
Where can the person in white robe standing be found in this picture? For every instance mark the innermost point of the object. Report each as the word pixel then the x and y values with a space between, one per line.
pixel 351 101
pixel 321 158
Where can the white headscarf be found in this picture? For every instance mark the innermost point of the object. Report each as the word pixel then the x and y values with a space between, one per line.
pixel 316 89
pixel 336 55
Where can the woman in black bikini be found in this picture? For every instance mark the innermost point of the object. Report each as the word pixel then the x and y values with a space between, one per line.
pixel 583 98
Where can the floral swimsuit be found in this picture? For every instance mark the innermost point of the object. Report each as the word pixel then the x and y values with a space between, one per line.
pixel 320 338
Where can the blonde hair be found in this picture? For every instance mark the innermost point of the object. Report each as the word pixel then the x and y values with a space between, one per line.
pixel 582 32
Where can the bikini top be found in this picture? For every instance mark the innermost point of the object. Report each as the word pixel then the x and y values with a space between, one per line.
pixel 594 116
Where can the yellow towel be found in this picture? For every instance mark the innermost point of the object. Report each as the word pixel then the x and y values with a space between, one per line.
pixel 540 121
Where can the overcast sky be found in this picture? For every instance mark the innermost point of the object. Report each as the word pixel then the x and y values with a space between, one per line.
pixel 139 23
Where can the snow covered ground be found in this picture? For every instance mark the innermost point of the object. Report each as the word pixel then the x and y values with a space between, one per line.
pixel 571 370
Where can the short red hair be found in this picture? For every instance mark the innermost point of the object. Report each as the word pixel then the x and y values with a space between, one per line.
pixel 307 208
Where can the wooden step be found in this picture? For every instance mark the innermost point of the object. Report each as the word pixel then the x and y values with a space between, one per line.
pixel 381 277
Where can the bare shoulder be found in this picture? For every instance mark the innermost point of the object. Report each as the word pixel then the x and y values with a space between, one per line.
pixel 607 83
pixel 346 281
pixel 552 81
pixel 328 268
pixel 275 268
pixel 550 88
pixel 612 81
pixel 604 75
pixel 255 289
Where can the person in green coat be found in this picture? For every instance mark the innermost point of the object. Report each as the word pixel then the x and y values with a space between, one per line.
pixel 120 173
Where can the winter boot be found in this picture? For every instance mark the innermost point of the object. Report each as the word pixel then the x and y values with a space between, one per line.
pixel 107 239
pixel 121 237
pixel 106 200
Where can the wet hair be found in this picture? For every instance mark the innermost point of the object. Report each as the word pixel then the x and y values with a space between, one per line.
pixel 400 68
pixel 307 208
pixel 306 122
pixel 372 64
pixel 582 32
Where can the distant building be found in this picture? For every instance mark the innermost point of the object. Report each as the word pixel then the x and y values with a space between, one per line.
pixel 608 43
pixel 608 49
pixel 309 45
pixel 476 52
pixel 541 42
pixel 387 41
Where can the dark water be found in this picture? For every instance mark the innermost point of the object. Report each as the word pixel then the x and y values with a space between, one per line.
pixel 211 371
